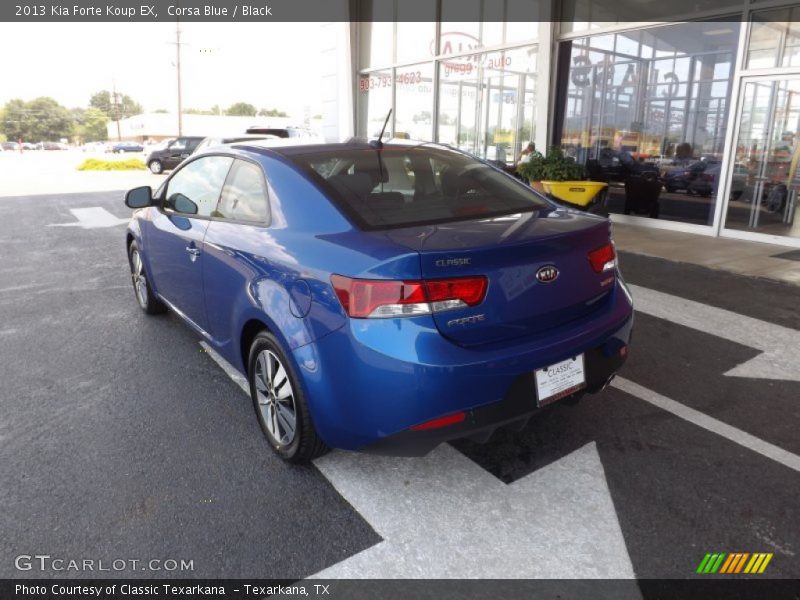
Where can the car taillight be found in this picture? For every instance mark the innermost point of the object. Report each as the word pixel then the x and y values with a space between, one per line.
pixel 603 259
pixel 375 298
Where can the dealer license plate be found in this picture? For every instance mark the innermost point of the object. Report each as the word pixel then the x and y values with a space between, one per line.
pixel 559 380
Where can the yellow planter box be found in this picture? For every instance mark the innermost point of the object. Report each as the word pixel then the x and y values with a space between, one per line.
pixel 579 193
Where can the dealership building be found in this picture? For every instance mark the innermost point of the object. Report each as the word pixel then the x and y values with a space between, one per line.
pixel 720 87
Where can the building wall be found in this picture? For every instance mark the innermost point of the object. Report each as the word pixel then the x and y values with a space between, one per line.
pixel 720 92
pixel 159 126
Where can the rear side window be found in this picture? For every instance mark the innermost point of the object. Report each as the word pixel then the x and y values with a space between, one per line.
pixel 415 185
pixel 200 182
pixel 244 196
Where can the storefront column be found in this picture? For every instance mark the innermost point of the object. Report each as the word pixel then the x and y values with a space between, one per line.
pixel 545 71
pixel 338 81
pixel 732 131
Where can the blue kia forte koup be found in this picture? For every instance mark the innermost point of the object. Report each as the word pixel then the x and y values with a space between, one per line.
pixel 383 297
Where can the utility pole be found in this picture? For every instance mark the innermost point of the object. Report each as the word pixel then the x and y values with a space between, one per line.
pixel 116 107
pixel 178 67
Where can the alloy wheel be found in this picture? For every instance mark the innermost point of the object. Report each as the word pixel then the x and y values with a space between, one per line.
pixel 139 279
pixel 275 398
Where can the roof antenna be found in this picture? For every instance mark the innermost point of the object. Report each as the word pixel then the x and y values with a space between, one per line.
pixel 378 143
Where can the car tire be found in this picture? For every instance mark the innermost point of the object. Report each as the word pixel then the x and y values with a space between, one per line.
pixel 145 297
pixel 155 167
pixel 269 373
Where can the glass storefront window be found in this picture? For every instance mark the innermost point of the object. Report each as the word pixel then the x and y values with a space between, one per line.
pixel 522 19
pixel 413 111
pixel 774 39
pixel 415 41
pixel 765 177
pixel 376 44
pixel 487 102
pixel 585 15
pixel 486 99
pixel 649 104
pixel 375 100
pixel 473 24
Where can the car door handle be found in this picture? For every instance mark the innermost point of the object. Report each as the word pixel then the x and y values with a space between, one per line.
pixel 193 251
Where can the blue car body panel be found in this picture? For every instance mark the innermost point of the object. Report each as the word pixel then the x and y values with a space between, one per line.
pixel 369 379
pixel 168 239
pixel 407 373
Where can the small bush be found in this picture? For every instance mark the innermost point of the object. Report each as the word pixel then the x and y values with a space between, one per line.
pixel 95 164
pixel 556 166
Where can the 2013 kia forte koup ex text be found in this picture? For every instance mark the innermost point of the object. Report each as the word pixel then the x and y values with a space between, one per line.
pixel 381 297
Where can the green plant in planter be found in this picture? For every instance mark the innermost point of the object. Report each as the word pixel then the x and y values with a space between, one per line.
pixel 556 166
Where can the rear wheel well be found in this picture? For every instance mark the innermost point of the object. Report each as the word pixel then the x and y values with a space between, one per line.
pixel 129 239
pixel 249 332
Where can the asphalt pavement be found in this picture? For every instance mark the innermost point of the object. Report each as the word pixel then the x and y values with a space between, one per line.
pixel 122 438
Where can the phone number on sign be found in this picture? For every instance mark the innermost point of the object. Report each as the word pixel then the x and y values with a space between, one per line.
pixel 382 81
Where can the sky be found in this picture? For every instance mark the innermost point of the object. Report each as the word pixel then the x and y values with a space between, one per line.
pixel 270 65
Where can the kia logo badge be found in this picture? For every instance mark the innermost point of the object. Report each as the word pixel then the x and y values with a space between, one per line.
pixel 547 274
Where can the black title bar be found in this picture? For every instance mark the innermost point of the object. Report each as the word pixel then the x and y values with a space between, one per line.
pixel 372 10
pixel 393 589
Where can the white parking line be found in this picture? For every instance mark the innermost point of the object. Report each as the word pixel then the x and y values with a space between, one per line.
pixel 237 377
pixel 733 434
pixel 92 218
pixel 780 346
pixel 443 515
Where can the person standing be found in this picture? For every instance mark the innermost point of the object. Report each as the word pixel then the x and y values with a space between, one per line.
pixel 525 155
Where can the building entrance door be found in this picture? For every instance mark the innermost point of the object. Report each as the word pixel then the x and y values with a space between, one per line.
pixel 764 177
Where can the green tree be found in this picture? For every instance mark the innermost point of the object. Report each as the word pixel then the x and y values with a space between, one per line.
pixel 196 111
pixel 126 106
pixel 160 111
pixel 242 109
pixel 90 124
pixel 422 117
pixel 41 119
pixel 17 121
pixel 271 112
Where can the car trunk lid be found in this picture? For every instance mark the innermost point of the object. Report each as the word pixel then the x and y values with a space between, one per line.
pixel 510 251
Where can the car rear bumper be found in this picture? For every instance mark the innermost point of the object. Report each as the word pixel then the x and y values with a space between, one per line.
pixel 514 410
pixel 371 381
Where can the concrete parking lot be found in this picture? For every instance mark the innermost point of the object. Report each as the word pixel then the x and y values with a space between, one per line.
pixel 121 437
pixel 55 172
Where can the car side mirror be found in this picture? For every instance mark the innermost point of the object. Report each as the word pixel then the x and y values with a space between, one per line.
pixel 139 197
pixel 182 204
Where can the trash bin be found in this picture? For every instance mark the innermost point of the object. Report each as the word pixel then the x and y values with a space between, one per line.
pixel 641 196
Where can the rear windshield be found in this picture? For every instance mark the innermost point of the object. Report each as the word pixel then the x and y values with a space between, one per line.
pixel 415 185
